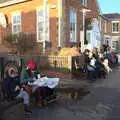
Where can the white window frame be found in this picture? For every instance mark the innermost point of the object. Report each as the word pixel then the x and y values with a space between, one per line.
pixel 44 25
pixel 37 22
pixel 114 44
pixel 88 32
pixel 84 2
pixel 73 23
pixel 118 26
pixel 17 24
pixel 105 27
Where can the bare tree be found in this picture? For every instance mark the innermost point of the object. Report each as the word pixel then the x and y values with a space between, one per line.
pixel 21 43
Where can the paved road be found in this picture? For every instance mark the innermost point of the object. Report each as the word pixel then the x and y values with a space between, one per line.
pixel 103 103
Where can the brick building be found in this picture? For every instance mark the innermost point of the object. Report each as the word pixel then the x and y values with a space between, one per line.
pixel 105 27
pixel 54 23
pixel 112 30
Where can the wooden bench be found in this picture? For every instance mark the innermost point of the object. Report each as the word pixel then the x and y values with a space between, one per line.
pixel 78 67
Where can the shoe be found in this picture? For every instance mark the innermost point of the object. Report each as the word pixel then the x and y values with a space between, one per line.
pixel 40 104
pixel 28 112
pixel 53 97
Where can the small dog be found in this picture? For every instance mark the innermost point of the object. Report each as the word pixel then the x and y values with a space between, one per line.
pixel 106 65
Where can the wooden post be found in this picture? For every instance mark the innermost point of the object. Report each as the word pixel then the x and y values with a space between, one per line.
pixel 70 63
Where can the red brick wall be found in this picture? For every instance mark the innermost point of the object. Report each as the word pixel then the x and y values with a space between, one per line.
pixel 54 33
pixel 92 5
pixel 29 18
pixel 76 4
pixel 29 22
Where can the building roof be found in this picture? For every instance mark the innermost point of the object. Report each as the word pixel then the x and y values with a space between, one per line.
pixel 3 1
pixel 105 18
pixel 112 16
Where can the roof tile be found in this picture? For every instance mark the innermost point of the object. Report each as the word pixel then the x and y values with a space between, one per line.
pixel 112 16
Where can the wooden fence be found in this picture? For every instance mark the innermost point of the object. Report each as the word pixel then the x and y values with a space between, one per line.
pixel 60 61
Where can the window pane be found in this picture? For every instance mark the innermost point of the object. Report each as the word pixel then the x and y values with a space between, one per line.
pixel 41 13
pixel 88 37
pixel 73 21
pixel 43 25
pixel 40 30
pixel 115 27
pixel 18 19
pixel 16 23
pixel 84 2
pixel 14 20
pixel 40 26
pixel 40 35
pixel 18 28
pixel 114 44
pixel 14 28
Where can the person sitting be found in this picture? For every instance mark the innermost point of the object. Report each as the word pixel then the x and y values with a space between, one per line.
pixel 23 94
pixel 25 76
pixel 106 65
pixel 50 94
pixel 28 76
pixel 91 67
pixel 43 89
pixel 10 83
pixel 103 71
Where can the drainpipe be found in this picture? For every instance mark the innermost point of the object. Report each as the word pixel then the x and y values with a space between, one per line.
pixel 45 29
pixel 60 22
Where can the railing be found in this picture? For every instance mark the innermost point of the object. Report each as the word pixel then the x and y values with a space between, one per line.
pixel 48 61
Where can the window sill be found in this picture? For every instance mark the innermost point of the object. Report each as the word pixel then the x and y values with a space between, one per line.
pixel 115 32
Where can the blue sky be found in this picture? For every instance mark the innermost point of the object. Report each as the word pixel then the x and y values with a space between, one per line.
pixel 109 6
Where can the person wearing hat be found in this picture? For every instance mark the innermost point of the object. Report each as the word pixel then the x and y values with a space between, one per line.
pixel 28 73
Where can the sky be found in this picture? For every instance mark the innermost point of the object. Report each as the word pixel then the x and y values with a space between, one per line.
pixel 109 6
